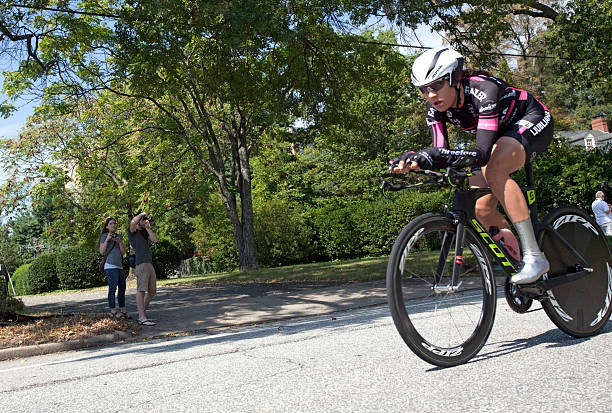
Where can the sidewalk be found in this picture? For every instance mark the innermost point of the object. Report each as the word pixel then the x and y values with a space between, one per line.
pixel 184 309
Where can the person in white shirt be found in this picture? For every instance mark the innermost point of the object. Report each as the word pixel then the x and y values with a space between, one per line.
pixel 603 213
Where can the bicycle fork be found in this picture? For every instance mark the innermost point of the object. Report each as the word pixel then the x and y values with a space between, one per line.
pixel 447 242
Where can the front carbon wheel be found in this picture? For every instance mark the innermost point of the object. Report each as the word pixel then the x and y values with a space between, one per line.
pixel 442 326
pixel 580 308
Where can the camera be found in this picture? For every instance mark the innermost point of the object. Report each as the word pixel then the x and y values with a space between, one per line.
pixel 149 219
pixel 114 236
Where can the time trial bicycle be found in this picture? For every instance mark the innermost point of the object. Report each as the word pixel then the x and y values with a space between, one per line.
pixel 441 284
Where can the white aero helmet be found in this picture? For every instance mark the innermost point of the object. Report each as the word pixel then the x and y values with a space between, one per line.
pixel 436 64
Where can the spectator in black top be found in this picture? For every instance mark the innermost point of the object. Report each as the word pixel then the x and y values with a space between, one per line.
pixel 140 235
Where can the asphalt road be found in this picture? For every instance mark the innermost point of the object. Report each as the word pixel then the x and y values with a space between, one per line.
pixel 346 362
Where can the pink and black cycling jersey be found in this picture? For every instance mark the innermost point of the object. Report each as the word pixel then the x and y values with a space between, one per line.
pixel 492 109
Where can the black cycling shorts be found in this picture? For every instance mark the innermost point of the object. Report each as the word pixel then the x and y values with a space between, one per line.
pixel 534 130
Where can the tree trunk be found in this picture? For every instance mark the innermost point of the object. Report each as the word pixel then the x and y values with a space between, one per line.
pixel 244 238
pixel 248 255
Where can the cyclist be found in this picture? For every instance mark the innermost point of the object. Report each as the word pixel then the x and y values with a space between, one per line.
pixel 512 128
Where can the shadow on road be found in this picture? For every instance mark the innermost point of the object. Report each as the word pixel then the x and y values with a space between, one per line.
pixel 317 326
pixel 553 338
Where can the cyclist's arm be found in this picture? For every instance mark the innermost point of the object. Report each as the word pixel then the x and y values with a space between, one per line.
pixel 437 127
pixel 486 134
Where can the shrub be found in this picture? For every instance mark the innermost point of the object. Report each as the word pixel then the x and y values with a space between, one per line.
pixel 379 222
pixel 214 238
pixel 334 227
pixel 42 274
pixel 369 228
pixel 77 267
pixel 282 235
pixel 166 257
pixel 196 265
pixel 222 251
pixel 20 280
pixel 569 175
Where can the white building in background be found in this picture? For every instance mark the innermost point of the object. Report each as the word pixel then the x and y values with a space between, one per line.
pixel 598 136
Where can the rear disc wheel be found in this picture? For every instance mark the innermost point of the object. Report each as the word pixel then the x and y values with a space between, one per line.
pixel 580 308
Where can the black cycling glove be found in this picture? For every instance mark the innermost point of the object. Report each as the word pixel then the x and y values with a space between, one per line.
pixel 393 162
pixel 425 158
pixel 430 158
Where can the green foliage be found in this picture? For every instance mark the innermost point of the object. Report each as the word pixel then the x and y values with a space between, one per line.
pixel 369 228
pixel 214 84
pixel 20 280
pixel 9 255
pixel 583 31
pixel 379 222
pixel 166 257
pixel 42 274
pixel 197 265
pixel 570 175
pixel 335 230
pixel 214 239
pixel 77 267
pixel 27 229
pixel 282 234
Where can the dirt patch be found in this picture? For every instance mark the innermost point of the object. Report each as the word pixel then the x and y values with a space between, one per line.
pixel 28 330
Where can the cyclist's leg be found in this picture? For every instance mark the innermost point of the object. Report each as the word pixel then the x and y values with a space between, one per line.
pixel 488 214
pixel 507 156
pixel 486 206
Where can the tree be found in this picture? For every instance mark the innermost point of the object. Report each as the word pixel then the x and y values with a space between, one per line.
pixel 218 74
pixel 26 231
pixel 107 157
pixel 577 31
pixel 9 255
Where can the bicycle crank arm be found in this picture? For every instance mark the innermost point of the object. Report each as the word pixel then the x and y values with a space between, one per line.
pixel 558 280
pixel 537 290
pixel 438 289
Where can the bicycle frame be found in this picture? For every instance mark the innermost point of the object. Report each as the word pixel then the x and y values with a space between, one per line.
pixel 462 213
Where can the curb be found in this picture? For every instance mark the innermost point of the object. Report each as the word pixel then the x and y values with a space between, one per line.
pixel 114 338
pixel 48 348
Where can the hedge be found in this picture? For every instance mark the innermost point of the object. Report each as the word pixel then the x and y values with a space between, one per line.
pixel 214 238
pixel 282 234
pixel 20 280
pixel 42 274
pixel 77 267
pixel 369 228
pixel 166 257
pixel 196 265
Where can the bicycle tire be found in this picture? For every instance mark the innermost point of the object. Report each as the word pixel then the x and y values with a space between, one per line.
pixel 445 328
pixel 581 308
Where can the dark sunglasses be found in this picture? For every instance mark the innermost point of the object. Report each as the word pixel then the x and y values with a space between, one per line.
pixel 432 87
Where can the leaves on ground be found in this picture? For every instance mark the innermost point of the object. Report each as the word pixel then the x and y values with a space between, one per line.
pixel 55 329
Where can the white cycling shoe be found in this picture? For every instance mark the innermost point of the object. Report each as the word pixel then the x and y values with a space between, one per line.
pixel 533 267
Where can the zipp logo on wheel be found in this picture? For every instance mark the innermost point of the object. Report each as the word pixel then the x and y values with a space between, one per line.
pixel 574 218
pixel 601 314
pixel 449 352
